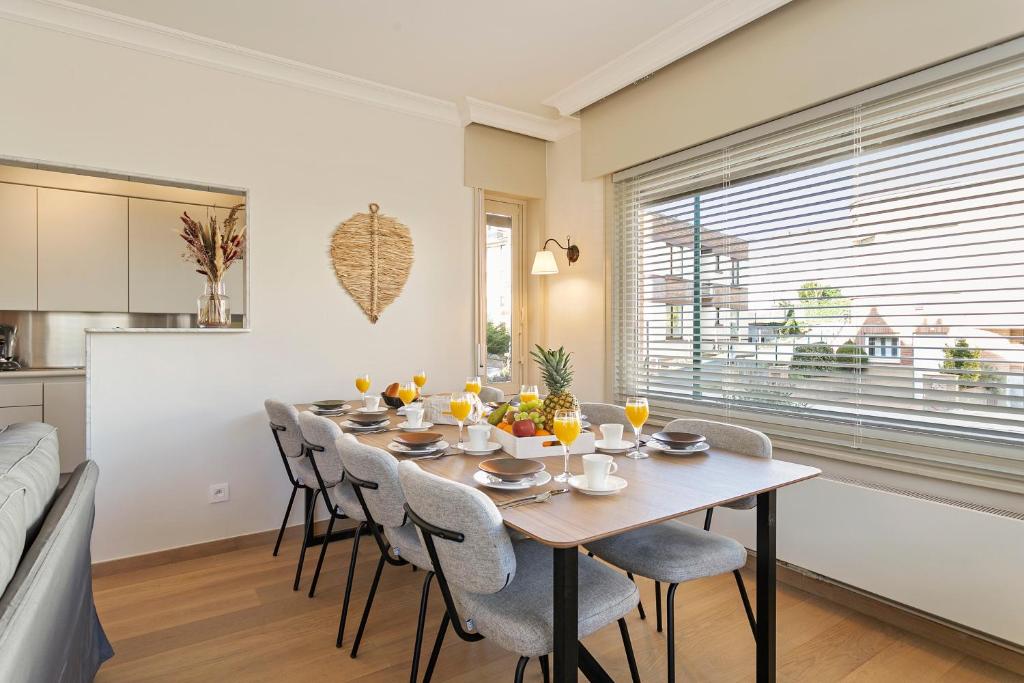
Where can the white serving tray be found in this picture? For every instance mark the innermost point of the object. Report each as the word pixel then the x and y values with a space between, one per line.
pixel 533 446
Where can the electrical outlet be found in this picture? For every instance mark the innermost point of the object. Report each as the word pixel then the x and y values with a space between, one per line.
pixel 219 493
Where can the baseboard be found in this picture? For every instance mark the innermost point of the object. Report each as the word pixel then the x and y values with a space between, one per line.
pixel 984 647
pixel 197 550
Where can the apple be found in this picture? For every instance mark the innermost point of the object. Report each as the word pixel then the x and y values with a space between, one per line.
pixel 524 428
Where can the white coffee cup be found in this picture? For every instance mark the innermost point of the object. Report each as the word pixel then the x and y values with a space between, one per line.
pixel 612 433
pixel 371 402
pixel 478 436
pixel 413 415
pixel 596 468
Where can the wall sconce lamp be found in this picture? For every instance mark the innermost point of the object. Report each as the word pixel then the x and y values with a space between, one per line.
pixel 544 261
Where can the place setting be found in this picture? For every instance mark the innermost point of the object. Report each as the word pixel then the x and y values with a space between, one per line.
pixel 369 417
pixel 419 444
pixel 511 474
pixel 330 408
pixel 677 443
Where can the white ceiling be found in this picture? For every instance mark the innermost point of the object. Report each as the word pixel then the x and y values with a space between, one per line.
pixel 515 54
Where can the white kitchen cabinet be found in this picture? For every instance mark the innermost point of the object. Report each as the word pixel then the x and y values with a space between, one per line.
pixel 83 251
pixel 15 414
pixel 159 279
pixel 234 280
pixel 18 247
pixel 64 408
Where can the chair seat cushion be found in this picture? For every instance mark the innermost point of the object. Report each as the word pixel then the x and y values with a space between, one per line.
pixel 520 617
pixel 671 552
pixel 405 543
pixel 344 496
pixel 747 503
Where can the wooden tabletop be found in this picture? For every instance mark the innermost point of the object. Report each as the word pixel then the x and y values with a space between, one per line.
pixel 660 488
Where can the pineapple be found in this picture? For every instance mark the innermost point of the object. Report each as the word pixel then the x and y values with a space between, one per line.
pixel 556 370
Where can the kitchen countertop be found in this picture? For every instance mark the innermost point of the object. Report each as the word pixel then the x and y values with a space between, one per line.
pixel 42 372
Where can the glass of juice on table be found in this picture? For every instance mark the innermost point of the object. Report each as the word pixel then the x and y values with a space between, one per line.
pixel 568 426
pixel 460 406
pixel 528 392
pixel 637 412
pixel 420 378
pixel 363 384
pixel 407 393
pixel 473 385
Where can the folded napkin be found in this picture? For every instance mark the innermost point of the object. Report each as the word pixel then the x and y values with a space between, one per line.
pixel 436 409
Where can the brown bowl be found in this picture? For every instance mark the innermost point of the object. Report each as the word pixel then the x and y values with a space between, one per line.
pixel 511 469
pixel 368 418
pixel 675 440
pixel 419 439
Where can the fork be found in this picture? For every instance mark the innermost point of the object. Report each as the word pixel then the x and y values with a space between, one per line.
pixel 539 498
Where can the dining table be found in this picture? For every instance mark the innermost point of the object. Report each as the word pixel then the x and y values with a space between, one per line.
pixel 659 488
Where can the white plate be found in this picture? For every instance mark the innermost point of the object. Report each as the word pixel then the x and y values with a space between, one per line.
pixel 655 445
pixel 620 447
pixel 396 447
pixel 615 484
pixel 356 427
pixel 424 426
pixel 490 482
pixel 492 446
pixel 331 413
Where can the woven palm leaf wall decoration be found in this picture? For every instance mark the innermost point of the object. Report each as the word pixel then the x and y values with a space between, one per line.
pixel 372 256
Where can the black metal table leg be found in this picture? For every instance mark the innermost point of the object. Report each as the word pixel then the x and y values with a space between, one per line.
pixel 766 587
pixel 566 619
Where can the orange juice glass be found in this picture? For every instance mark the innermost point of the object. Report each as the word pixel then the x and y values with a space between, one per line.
pixel 473 385
pixel 567 427
pixel 637 412
pixel 528 392
pixel 420 378
pixel 460 406
pixel 407 393
pixel 363 384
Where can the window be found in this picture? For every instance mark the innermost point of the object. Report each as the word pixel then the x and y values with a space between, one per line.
pixel 884 347
pixel 849 274
pixel 500 239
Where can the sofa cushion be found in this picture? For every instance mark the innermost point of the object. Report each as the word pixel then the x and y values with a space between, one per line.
pixel 12 530
pixel 29 458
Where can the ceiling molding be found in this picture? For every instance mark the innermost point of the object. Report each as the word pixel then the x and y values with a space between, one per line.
pixel 115 29
pixel 472 110
pixel 687 35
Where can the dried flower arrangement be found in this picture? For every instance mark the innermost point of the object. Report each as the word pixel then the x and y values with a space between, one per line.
pixel 213 248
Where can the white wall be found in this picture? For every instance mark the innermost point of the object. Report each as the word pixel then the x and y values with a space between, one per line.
pixel 173 413
pixel 575 305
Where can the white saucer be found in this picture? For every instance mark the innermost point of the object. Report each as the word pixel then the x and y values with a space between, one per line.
pixel 492 446
pixel 356 427
pixel 654 445
pixel 615 484
pixel 620 447
pixel 396 447
pixel 424 426
pixel 490 482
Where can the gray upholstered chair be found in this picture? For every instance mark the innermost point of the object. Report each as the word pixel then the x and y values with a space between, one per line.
pixel 373 473
pixel 491 395
pixel 284 425
pixel 605 413
pixel 502 588
pixel 674 552
pixel 322 440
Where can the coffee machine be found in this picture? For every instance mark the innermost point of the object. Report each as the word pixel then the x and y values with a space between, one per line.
pixel 7 337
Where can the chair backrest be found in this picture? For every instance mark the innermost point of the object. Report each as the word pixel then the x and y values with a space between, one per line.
pixel 319 431
pixel 728 437
pixel 484 561
pixel 285 415
pixel 386 503
pixel 491 395
pixel 605 413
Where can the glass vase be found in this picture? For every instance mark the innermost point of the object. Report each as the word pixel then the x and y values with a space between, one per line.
pixel 214 306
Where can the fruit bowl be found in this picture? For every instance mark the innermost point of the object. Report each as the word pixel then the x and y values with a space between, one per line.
pixel 540 446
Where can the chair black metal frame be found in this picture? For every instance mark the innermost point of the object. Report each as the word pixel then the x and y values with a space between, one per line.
pixel 385 556
pixel 451 614
pixel 275 429
pixel 335 514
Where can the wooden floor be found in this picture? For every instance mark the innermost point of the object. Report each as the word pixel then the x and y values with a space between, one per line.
pixel 234 617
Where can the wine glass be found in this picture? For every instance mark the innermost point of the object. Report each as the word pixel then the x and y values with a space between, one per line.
pixel 363 385
pixel 473 385
pixel 407 393
pixel 460 405
pixel 637 412
pixel 420 378
pixel 527 393
pixel 568 425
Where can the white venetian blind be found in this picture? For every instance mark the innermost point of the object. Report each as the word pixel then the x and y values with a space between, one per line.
pixel 856 275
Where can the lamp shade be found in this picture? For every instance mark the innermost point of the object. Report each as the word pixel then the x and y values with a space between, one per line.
pixel 544 263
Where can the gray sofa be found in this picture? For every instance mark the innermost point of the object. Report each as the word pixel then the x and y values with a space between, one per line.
pixel 49 630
